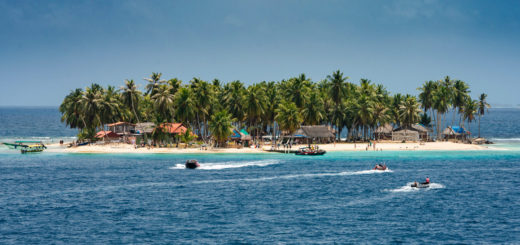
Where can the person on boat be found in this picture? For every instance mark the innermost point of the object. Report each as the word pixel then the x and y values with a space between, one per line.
pixel 427 181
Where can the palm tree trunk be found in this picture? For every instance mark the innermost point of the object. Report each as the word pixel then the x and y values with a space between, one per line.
pixel 479 125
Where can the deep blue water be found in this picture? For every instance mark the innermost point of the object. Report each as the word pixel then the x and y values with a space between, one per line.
pixel 53 198
pixel 72 199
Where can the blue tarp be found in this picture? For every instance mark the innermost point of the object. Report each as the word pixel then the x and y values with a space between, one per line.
pixel 458 129
pixel 235 134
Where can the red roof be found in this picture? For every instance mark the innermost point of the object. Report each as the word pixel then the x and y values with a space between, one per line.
pixel 110 134
pixel 174 128
pixel 171 128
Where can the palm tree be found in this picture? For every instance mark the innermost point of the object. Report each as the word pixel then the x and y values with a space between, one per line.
pixel 203 97
pixel 175 85
pixel 272 101
pixel 338 87
pixel 297 90
pixel 131 97
pixel 482 108
pixel 184 105
pixel 234 99
pixel 163 103
pixel 288 117
pixel 460 93
pixel 71 110
pixel 441 103
pixel 426 96
pixel 220 127
pixel 313 109
pixel 255 105
pixel 409 111
pixel 153 83
pixel 469 110
pixel 90 106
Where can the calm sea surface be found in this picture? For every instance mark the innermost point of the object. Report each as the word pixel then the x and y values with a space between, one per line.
pixel 52 198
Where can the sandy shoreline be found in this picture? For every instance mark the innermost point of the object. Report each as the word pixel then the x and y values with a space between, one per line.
pixel 125 148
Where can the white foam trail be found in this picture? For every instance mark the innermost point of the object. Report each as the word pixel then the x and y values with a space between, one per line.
pixel 408 188
pixel 294 176
pixel 224 165
pixel 505 139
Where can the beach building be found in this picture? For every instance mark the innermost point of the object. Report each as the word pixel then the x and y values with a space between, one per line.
pixel 240 137
pixel 455 132
pixel 309 134
pixel 144 131
pixel 319 133
pixel 384 132
pixel 416 132
pixel 107 135
pixel 122 128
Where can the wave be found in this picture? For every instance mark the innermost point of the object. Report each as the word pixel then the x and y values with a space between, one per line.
pixel 505 139
pixel 225 165
pixel 408 188
pixel 295 176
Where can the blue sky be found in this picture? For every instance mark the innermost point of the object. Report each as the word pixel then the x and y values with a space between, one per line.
pixel 48 48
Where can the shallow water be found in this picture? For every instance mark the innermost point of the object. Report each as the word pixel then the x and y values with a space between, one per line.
pixel 262 198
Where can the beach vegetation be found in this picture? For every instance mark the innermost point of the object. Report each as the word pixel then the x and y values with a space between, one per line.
pixel 210 109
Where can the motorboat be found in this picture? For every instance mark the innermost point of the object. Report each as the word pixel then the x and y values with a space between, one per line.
pixel 308 151
pixel 32 148
pixel 192 164
pixel 380 167
pixel 420 185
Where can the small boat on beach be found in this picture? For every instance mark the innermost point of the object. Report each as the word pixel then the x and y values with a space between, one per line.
pixel 308 151
pixel 192 164
pixel 25 147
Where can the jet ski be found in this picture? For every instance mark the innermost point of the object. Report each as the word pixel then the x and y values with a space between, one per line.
pixel 420 185
pixel 192 164
pixel 380 167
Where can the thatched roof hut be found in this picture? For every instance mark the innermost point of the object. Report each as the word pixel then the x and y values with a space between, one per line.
pixel 317 131
pixel 407 134
pixel 385 129
pixel 422 132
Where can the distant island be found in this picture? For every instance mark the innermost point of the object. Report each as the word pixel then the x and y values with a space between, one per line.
pixel 202 114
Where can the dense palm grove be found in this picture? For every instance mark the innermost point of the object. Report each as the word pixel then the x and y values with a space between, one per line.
pixel 210 109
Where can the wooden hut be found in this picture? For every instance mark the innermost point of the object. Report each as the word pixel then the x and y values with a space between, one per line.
pixel 406 133
pixel 320 133
pixel 122 128
pixel 454 132
pixel 384 132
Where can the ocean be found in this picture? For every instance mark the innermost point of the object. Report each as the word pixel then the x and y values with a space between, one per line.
pixel 53 198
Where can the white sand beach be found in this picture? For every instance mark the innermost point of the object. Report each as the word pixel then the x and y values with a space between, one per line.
pixel 387 146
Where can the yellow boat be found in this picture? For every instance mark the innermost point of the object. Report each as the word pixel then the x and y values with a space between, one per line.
pixel 33 148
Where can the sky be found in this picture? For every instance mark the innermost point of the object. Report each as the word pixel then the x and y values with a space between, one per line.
pixel 48 48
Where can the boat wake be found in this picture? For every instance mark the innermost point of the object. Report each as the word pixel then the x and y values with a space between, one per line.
pixel 408 188
pixel 295 176
pixel 225 165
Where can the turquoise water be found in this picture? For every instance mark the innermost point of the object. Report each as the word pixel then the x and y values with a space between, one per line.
pixel 53 198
